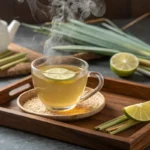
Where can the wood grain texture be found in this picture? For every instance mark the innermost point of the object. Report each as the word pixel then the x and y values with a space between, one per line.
pixel 117 93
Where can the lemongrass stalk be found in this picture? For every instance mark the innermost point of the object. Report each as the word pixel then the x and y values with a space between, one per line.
pixel 145 68
pixel 8 53
pixel 11 58
pixel 113 29
pixel 143 71
pixel 31 26
pixel 112 24
pixel 108 40
pixel 127 35
pixel 75 30
pixel 143 57
pixel 35 27
pixel 4 52
pixel 117 126
pixel 144 62
pixel 81 37
pixel 107 122
pixel 4 67
pixel 123 40
pixel 111 123
pixel 104 42
pixel 93 49
pixel 87 39
pixel 98 30
pixel 125 125
pixel 42 32
pixel 79 48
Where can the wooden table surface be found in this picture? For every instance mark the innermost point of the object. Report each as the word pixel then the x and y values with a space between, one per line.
pixel 17 140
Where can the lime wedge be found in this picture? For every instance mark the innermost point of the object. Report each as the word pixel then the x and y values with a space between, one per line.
pixel 139 112
pixel 59 74
pixel 124 64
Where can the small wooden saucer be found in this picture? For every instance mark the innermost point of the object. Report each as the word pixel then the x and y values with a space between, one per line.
pixel 30 103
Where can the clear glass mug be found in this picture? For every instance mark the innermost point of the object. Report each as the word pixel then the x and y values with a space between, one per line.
pixel 62 94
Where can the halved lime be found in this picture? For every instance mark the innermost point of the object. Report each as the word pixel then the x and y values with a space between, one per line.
pixel 59 74
pixel 124 64
pixel 139 112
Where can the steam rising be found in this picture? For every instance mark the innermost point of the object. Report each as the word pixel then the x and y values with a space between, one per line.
pixel 77 9
pixel 61 10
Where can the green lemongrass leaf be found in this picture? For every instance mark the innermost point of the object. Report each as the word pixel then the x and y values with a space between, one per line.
pixel 108 39
pixel 83 48
pixel 86 39
pixel 35 27
pixel 79 33
pixel 122 40
pixel 74 30
pixel 81 37
pixel 143 71
pixel 31 26
pixel 42 32
pixel 112 24
pixel 113 29
pixel 78 48
pixel 145 68
pixel 127 35
pixel 143 57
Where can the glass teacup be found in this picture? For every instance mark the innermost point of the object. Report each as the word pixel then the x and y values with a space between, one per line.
pixel 61 80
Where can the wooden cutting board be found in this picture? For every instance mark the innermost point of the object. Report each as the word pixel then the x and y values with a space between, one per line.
pixel 25 67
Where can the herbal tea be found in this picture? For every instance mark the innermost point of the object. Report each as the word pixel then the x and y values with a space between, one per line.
pixel 59 86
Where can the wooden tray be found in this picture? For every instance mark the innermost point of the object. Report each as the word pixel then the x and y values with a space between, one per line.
pixel 117 93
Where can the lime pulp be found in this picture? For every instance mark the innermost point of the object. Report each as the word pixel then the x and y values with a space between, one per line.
pixel 59 74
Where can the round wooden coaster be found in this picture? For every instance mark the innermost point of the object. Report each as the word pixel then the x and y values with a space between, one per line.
pixel 30 103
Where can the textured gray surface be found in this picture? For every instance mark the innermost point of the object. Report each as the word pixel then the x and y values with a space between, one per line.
pixel 16 140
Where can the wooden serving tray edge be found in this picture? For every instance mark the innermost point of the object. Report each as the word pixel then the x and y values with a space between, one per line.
pixel 63 131
pixel 54 129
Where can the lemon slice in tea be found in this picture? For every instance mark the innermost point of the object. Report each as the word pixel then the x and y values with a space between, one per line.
pixel 59 74
pixel 139 112
pixel 124 64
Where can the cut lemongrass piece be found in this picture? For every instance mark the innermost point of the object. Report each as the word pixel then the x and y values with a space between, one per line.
pixel 81 48
pixel 111 123
pixel 59 74
pixel 143 71
pixel 124 126
pixel 6 54
pixel 144 62
pixel 12 58
pixel 11 64
pixel 143 67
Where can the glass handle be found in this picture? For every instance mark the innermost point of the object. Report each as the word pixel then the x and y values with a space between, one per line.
pixel 99 86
